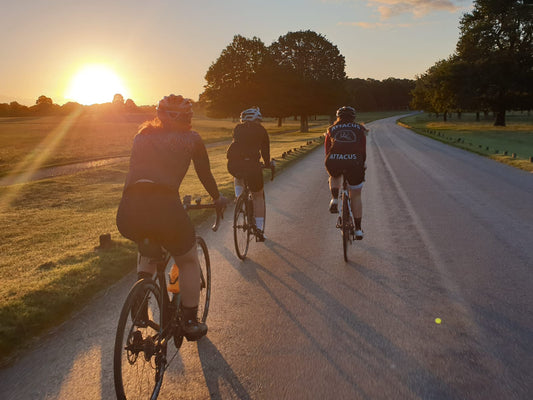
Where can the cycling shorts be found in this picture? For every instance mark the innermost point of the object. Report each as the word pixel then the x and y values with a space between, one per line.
pixel 249 170
pixel 155 212
pixel 353 169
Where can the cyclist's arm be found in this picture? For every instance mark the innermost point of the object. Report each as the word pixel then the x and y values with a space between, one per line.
pixel 265 148
pixel 203 169
pixel 327 142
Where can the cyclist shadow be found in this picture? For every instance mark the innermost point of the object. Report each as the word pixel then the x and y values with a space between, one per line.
pixel 217 370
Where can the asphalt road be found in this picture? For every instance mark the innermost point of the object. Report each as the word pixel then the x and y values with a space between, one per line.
pixel 448 235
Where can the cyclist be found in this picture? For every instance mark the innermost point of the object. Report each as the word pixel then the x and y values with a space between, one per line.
pixel 250 143
pixel 345 147
pixel 151 207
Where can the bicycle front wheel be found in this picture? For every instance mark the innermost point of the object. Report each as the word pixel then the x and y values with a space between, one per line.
pixel 345 226
pixel 241 227
pixel 205 279
pixel 139 358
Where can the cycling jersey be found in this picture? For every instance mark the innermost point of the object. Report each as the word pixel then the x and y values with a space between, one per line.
pixel 345 147
pixel 151 206
pixel 250 143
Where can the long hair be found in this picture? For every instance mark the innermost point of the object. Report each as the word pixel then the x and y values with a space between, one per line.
pixel 156 125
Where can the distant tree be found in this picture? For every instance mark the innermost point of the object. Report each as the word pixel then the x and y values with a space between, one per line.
pixel 44 100
pixel 312 70
pixel 130 105
pixel 118 99
pixel 232 79
pixel 496 41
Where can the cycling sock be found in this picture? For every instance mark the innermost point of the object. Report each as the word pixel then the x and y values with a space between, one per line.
pixel 238 190
pixel 189 313
pixel 260 223
pixel 357 223
pixel 335 192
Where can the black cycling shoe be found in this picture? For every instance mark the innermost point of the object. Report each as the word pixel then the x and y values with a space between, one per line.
pixel 259 236
pixel 193 330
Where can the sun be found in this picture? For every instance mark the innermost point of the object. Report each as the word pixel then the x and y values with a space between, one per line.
pixel 95 84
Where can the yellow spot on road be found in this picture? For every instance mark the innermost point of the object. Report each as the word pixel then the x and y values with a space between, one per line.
pixel 438 320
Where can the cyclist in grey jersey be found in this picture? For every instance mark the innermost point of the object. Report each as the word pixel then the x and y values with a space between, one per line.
pixel 151 206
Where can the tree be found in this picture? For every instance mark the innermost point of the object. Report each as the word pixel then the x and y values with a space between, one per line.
pixel 312 71
pixel 496 41
pixel 44 100
pixel 118 99
pixel 232 79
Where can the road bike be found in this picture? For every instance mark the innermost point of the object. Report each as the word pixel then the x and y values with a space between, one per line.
pixel 151 317
pixel 244 227
pixel 345 221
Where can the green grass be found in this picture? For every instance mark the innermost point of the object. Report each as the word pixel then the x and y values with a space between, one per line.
pixel 498 143
pixel 50 228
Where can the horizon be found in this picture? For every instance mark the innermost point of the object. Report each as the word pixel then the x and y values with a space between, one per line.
pixel 170 51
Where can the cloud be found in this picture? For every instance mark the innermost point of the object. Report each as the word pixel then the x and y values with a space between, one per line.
pixel 375 25
pixel 419 8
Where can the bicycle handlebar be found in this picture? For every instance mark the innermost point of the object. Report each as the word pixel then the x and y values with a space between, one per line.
pixel 187 205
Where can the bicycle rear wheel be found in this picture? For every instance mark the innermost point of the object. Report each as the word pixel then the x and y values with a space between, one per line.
pixel 345 226
pixel 139 359
pixel 205 279
pixel 241 227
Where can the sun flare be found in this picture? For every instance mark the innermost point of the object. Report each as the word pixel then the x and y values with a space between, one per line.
pixel 95 84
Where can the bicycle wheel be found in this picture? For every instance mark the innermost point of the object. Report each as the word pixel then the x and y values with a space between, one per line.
pixel 345 225
pixel 241 227
pixel 139 359
pixel 205 279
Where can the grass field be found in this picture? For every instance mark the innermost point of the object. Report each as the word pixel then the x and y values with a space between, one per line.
pixel 512 144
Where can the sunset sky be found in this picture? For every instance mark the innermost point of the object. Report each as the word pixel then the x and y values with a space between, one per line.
pixel 153 48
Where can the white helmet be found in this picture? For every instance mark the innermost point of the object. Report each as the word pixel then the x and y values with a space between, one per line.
pixel 175 107
pixel 251 114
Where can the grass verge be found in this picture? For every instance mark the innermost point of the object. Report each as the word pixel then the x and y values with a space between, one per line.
pixel 512 144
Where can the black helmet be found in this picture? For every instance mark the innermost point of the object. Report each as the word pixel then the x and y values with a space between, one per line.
pixel 346 112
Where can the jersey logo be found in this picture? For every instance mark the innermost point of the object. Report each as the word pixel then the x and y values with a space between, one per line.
pixel 336 156
pixel 345 136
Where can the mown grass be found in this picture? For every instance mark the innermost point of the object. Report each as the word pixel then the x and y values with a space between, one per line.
pixel 50 265
pixel 512 144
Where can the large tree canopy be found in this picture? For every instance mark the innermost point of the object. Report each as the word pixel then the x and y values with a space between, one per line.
pixel 497 43
pixel 312 70
pixel 232 78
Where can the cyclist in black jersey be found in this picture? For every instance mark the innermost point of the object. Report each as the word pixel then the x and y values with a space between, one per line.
pixel 151 206
pixel 250 144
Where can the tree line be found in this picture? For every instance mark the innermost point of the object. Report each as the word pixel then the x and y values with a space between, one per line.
pixel 300 74
pixel 45 106
pixel 492 67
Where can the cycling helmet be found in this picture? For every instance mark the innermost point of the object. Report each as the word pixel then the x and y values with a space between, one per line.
pixel 175 107
pixel 346 112
pixel 251 114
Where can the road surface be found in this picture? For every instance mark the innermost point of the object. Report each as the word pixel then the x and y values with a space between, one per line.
pixel 448 236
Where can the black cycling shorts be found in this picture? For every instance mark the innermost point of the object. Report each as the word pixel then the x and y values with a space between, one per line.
pixel 147 211
pixel 248 170
pixel 354 170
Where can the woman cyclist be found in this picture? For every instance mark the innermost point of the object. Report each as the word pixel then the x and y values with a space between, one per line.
pixel 151 207
pixel 346 151
pixel 250 143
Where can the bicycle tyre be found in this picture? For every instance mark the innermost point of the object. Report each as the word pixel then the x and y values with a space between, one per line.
pixel 345 226
pixel 205 279
pixel 241 227
pixel 138 360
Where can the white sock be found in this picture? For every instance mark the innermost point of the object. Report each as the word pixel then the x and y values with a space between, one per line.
pixel 259 222
pixel 238 190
